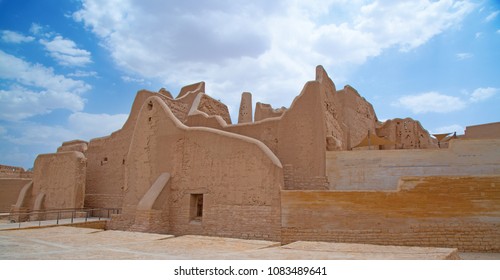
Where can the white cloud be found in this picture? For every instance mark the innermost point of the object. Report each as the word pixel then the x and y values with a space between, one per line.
pixel 81 74
pixel 88 126
pixel 492 16
pixel 435 102
pixel 449 129
pixel 132 80
pixel 481 94
pixel 16 157
pixel 462 56
pixel 79 125
pixel 430 102
pixel 35 89
pixel 36 28
pixel 409 24
pixel 266 47
pixel 14 37
pixel 65 52
pixel 18 103
pixel 40 135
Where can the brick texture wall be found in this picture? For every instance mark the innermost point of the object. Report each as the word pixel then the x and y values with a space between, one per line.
pixel 457 212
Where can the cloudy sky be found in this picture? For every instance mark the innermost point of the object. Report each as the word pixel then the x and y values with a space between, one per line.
pixel 70 69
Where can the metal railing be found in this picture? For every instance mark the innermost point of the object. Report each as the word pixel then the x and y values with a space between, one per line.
pixel 66 216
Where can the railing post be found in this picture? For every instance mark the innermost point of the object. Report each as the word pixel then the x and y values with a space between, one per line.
pixel 58 213
pixel 86 215
pixel 72 215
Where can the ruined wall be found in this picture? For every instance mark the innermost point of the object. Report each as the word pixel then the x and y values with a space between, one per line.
pixel 245 113
pixel 214 107
pixel 60 177
pixel 454 212
pixel 297 138
pixel 238 177
pixel 74 145
pixel 7 171
pixel 302 140
pixel 406 134
pixel 483 131
pixel 264 111
pixel 9 190
pixel 348 116
pixel 381 170
pixel 357 115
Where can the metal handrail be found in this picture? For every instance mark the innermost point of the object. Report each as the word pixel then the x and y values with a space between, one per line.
pixel 41 215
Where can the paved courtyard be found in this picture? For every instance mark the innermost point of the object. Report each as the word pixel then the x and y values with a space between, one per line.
pixel 72 243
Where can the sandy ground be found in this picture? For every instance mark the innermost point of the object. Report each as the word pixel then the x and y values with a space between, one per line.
pixel 71 243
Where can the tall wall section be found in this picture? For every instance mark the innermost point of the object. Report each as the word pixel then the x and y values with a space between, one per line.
pixel 381 170
pixel 348 116
pixel 454 212
pixel 238 178
pixel 297 138
pixel 106 158
pixel 59 181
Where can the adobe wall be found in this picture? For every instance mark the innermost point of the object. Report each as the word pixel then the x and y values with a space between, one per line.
pixel 454 212
pixel 381 170
pixel 265 111
pixel 214 107
pixel 483 131
pixel 239 178
pixel 9 189
pixel 74 145
pixel 7 171
pixel 107 155
pixel 61 178
pixel 106 158
pixel 348 116
pixel 406 134
pixel 297 138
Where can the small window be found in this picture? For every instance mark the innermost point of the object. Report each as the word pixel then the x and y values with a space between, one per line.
pixel 104 161
pixel 196 207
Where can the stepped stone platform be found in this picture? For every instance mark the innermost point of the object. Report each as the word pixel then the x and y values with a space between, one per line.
pixel 72 243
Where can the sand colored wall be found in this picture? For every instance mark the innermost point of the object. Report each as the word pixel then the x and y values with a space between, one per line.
pixel 107 155
pixel 9 190
pixel 297 138
pixel 483 131
pixel 381 170
pixel 74 145
pixel 348 116
pixel 265 111
pixel 245 113
pixel 106 158
pixel 239 178
pixel 61 178
pixel 406 134
pixel 7 171
pixel 213 107
pixel 454 212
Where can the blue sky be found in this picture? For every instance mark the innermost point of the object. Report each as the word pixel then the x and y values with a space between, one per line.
pixel 70 69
